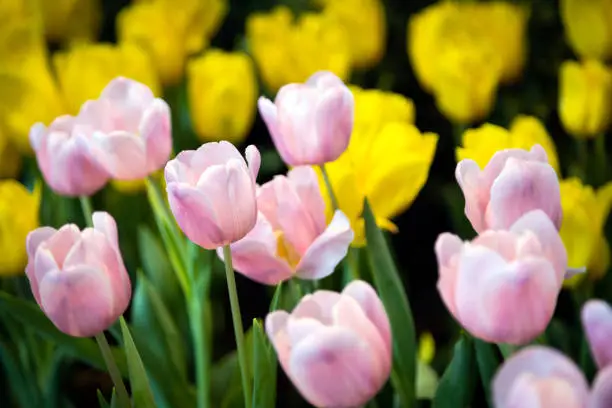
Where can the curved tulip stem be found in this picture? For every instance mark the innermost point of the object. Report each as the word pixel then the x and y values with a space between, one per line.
pixel 328 185
pixel 86 207
pixel 122 395
pixel 238 330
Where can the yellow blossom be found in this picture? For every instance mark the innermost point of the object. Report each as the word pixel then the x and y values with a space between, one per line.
pixel 588 27
pixel 287 50
pixel 222 92
pixel 170 31
pixel 71 20
pixel 585 212
pixel 373 106
pixel 387 162
pixel 18 216
pixel 85 69
pixel 585 97
pixel 480 144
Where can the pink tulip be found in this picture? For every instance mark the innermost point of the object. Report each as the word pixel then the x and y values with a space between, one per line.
pixel 78 278
pixel 597 322
pixel 63 157
pixel 503 286
pixel 212 193
pixel 335 347
pixel 540 377
pixel 514 182
pixel 133 136
pixel 310 123
pixel 601 394
pixel 291 236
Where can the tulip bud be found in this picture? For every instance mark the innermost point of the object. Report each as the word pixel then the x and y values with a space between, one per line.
pixel 78 277
pixel 597 322
pixel 310 123
pixel 211 192
pixel 335 347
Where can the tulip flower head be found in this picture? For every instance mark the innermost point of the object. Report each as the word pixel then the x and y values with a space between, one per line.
pixel 78 277
pixel 335 347
pixel 311 123
pixel 291 236
pixel 211 192
pixel 597 322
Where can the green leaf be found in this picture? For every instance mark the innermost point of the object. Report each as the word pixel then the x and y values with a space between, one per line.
pixel 457 383
pixel 24 390
pixel 488 360
pixel 393 296
pixel 84 349
pixel 264 369
pixel 141 390
pixel 276 297
pixel 102 401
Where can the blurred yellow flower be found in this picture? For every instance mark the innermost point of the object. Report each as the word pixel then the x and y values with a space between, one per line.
pixel 373 106
pixel 588 27
pixel 427 378
pixel 85 69
pixel 585 212
pixel 287 51
pixel 365 24
pixel 171 31
pixel 480 144
pixel 386 161
pixel 585 97
pixel 18 216
pixel 222 92
pixel 71 20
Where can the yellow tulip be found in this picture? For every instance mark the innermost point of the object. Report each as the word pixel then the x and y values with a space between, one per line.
pixel 170 31
pixel 18 216
pixel 373 106
pixel 480 144
pixel 222 92
pixel 588 27
pixel 84 70
pixel 71 20
pixel 585 98
pixel 585 212
pixel 287 51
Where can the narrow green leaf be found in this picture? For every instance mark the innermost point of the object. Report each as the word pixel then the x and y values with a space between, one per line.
pixel 22 389
pixel 393 296
pixel 226 386
pixel 264 369
pixel 141 390
pixel 457 383
pixel 114 403
pixel 102 401
pixel 84 349
pixel 488 360
pixel 276 298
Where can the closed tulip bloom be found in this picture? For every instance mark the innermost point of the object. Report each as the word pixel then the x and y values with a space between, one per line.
pixel 588 27
pixel 132 131
pixel 514 182
pixel 503 286
pixel 78 277
pixel 291 237
pixel 335 347
pixel 585 98
pixel 597 323
pixel 211 192
pixel 540 377
pixel 310 123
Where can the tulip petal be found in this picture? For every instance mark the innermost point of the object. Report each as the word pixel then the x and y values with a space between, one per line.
pixel 36 237
pixel 306 184
pixel 299 328
pixel 327 250
pixel 318 305
pixel 276 329
pixel 269 114
pixel 334 121
pixel 448 248
pixel 179 170
pixel 156 131
pixel 324 79
pixel 467 174
pixel 597 322
pixel 601 395
pixel 61 242
pixel 253 158
pixel 212 154
pixel 122 154
pixel 106 224
pixel 531 392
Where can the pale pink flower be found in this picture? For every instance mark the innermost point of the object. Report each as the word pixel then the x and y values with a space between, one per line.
pixel 78 278
pixel 597 323
pixel 335 347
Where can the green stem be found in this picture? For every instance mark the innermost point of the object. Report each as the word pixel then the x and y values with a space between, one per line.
pixel 458 131
pixel 86 207
pixel 238 330
pixel 122 395
pixel 329 187
pixel 200 347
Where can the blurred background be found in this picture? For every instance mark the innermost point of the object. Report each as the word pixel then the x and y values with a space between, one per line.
pixel 535 69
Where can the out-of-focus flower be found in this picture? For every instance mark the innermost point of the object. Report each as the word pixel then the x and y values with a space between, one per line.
pixel 387 161
pixel 291 237
pixel 331 336
pixel 597 322
pixel 310 123
pixel 427 378
pixel 78 277
pixel 542 376
pixel 461 51
pixel 170 31
pixel 18 216
pixel 365 25
pixel 71 20
pixel 85 70
pixel 585 212
pixel 288 51
pixel 585 97
pixel 514 182
pixel 503 286
pixel 10 160
pixel 588 27
pixel 222 92
pixel 211 192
